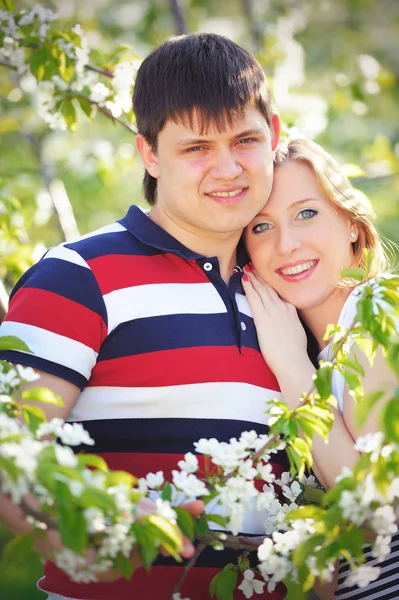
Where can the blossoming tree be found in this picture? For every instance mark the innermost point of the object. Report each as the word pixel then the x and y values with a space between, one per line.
pixel 96 510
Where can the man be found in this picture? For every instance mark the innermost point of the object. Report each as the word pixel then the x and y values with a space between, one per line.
pixel 142 327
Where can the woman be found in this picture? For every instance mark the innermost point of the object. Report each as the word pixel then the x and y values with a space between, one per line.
pixel 314 225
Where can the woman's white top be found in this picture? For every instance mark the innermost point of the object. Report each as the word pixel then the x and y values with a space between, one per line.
pixel 346 318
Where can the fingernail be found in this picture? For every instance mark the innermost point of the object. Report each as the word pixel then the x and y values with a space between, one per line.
pixel 245 277
pixel 251 264
pixel 247 268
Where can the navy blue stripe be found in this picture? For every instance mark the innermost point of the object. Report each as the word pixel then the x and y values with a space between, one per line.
pixel 145 230
pixel 65 279
pixel 166 436
pixel 166 332
pixel 31 360
pixel 210 558
pixel 115 242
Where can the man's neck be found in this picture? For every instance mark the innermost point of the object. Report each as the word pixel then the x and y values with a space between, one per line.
pixel 221 245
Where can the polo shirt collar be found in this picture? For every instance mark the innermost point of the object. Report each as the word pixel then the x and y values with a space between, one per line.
pixel 146 231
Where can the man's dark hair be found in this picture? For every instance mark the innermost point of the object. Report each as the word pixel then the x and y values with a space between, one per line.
pixel 206 73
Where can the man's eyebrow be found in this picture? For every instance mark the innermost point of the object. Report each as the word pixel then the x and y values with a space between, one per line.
pixel 264 213
pixel 203 140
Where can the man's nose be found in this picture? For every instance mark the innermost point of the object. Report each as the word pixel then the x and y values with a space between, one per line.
pixel 226 165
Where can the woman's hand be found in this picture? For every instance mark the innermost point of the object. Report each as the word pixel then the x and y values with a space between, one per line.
pixel 281 336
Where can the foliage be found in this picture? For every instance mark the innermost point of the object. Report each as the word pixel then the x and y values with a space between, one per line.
pixel 52 69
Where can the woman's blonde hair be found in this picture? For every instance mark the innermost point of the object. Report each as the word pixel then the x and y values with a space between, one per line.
pixel 349 201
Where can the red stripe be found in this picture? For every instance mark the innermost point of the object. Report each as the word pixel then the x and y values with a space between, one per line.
pixel 118 271
pixel 156 585
pixel 184 366
pixel 57 314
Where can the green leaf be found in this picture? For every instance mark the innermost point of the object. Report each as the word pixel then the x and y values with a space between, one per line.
pixel 86 106
pixel 17 552
pixel 93 460
pixel 367 346
pixel 10 342
pixel 354 273
pixel 224 583
pixel 352 363
pixel 43 395
pixel 92 496
pixel 72 527
pixel 38 62
pixel 322 381
pixel 167 491
pixel 363 408
pixel 8 465
pixel 124 565
pixel 294 590
pixel 33 417
pixel 390 420
pixel 8 5
pixel 69 113
pixel 167 533
pixel 116 477
pixel 185 522
pixel 314 495
pixel 214 518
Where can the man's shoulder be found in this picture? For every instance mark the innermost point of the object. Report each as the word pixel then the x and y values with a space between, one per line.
pixel 105 240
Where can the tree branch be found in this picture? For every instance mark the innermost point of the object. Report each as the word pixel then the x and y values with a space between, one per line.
pixel 180 22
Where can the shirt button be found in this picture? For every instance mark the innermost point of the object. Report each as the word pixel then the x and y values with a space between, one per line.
pixel 208 267
pixel 243 326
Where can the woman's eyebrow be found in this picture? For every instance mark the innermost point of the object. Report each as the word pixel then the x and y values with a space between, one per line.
pixel 264 213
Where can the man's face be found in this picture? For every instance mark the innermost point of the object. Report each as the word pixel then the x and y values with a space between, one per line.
pixel 211 183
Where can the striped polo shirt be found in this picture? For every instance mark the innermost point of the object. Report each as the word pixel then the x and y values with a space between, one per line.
pixel 165 353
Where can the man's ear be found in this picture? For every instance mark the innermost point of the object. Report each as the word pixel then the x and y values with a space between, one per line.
pixel 275 126
pixel 147 155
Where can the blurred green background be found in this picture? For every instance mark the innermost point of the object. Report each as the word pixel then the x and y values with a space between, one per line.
pixel 333 67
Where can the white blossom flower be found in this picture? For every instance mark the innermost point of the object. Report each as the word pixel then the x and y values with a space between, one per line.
pixel 189 484
pixel 249 584
pixel 154 480
pixel 74 434
pixel 95 519
pixel 189 464
pixel 285 542
pixel 362 576
pixel 382 547
pixel 285 478
pixel 249 438
pixel 383 520
pixel 246 469
pixel 65 456
pixel 265 550
pixel 266 472
pixel 209 447
pixel 293 491
pixel 99 92
pixel 165 510
pixel 177 596
pixel 27 374
pixel 53 427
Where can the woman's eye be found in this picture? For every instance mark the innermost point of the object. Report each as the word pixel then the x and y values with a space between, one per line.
pixel 261 227
pixel 307 213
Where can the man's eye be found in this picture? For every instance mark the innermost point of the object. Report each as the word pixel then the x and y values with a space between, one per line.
pixel 261 227
pixel 246 140
pixel 195 148
pixel 307 213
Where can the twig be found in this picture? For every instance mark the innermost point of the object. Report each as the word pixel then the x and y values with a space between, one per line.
pixel 200 548
pixel 131 128
pixel 180 21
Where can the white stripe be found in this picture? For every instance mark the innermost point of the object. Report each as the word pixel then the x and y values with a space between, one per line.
pixel 243 305
pixel 153 300
pixel 111 228
pixel 54 347
pixel 214 400
pixel 353 594
pixel 68 255
pixel 59 597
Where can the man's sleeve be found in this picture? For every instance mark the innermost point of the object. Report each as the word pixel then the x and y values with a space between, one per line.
pixel 57 309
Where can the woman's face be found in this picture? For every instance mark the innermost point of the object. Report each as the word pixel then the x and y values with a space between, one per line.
pixel 299 243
